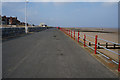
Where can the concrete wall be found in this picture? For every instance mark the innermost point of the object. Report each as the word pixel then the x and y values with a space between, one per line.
pixel 6 32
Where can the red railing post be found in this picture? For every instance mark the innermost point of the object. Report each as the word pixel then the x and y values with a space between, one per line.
pixel 68 31
pixel 119 64
pixel 71 33
pixel 84 40
pixel 96 44
pixel 74 34
pixel 78 36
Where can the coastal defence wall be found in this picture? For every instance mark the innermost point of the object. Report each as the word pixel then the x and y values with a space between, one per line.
pixel 13 31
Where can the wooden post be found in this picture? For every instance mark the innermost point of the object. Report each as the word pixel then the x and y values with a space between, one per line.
pixel 84 40
pixel 114 46
pixel 89 43
pixel 95 44
pixel 98 46
pixel 74 34
pixel 78 36
pixel 106 45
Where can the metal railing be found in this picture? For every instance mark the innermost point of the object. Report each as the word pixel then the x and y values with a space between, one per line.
pixel 72 35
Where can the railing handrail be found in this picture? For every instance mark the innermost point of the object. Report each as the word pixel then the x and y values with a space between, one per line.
pixel 102 39
pixel 96 44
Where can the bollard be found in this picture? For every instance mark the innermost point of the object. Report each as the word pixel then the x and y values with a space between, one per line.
pixel 71 33
pixel 95 44
pixel 74 34
pixel 78 36
pixel 84 40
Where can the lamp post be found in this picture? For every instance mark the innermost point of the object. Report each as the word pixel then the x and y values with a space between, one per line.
pixel 1 12
pixel 26 28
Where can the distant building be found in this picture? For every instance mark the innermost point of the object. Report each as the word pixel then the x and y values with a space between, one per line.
pixel 4 20
pixel 13 21
pixel 10 20
pixel 43 25
pixel 22 23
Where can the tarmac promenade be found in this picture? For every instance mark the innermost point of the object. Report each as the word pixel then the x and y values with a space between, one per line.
pixel 49 54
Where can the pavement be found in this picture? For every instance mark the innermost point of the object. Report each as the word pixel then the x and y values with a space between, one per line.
pixel 49 54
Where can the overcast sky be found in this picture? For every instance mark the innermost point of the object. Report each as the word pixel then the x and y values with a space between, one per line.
pixel 66 14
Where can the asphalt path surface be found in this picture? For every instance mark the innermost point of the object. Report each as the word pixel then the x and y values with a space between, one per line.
pixel 49 54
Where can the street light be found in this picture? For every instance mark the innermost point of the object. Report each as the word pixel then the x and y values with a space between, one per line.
pixel 1 12
pixel 26 28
